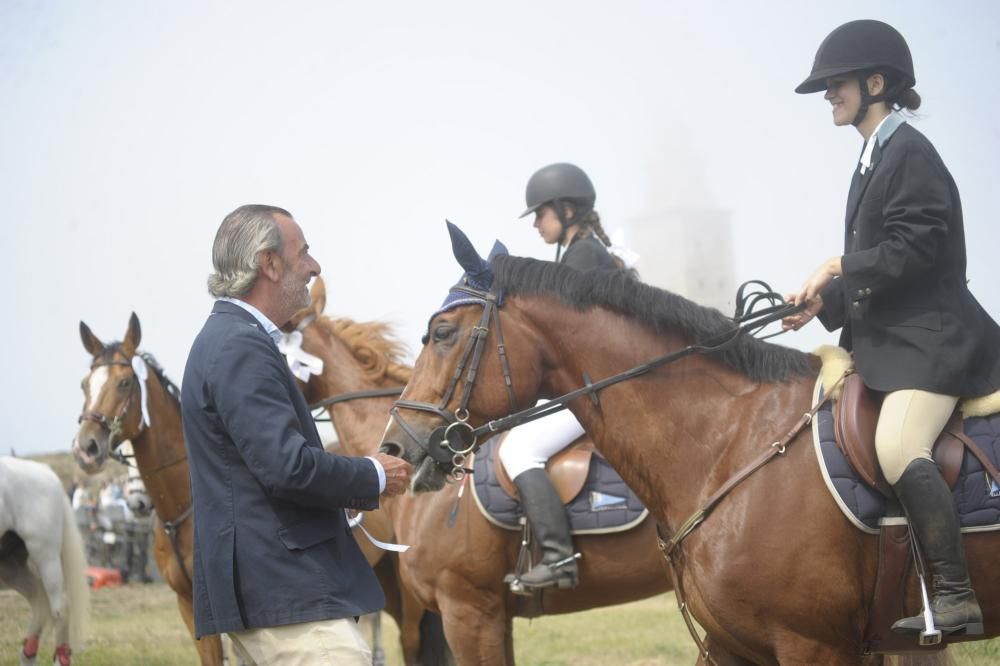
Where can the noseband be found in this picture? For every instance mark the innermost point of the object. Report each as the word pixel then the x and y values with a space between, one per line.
pixel 441 446
pixel 114 427
pixel 451 444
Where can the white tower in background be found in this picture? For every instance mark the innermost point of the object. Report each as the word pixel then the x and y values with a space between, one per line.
pixel 688 251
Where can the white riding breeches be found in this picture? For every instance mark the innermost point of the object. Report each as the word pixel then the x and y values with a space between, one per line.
pixel 529 446
pixel 908 425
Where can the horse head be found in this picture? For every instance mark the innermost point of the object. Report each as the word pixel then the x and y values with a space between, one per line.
pixel 343 360
pixel 468 344
pixel 111 398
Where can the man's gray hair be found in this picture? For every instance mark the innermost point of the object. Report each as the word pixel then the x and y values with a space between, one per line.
pixel 243 235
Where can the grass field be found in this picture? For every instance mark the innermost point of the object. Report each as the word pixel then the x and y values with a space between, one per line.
pixel 138 625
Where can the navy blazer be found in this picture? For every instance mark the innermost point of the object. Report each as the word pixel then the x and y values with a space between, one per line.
pixel 271 542
pixel 903 302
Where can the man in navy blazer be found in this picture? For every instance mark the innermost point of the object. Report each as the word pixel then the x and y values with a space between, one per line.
pixel 275 564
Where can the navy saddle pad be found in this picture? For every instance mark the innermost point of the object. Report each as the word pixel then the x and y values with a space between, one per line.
pixel 976 494
pixel 604 505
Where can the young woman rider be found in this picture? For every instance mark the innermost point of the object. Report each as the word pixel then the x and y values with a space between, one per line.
pixel 561 197
pixel 899 295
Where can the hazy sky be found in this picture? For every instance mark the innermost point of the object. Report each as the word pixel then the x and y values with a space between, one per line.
pixel 129 129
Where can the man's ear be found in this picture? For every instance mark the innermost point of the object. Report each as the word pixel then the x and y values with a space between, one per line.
pixel 270 265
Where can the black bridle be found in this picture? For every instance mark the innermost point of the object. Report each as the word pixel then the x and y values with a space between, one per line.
pixel 451 444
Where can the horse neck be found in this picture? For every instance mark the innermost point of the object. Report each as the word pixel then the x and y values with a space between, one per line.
pixel 160 454
pixel 684 427
pixel 359 423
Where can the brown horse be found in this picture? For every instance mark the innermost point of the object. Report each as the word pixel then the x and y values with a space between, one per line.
pixel 113 414
pixel 458 570
pixel 776 574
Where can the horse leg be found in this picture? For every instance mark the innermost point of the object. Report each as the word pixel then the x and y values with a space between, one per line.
pixel 209 647
pixel 53 584
pixel 477 632
pixel 378 653
pixel 409 628
pixel 20 578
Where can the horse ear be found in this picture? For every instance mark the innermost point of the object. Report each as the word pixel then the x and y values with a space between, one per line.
pixel 498 250
pixel 133 336
pixel 466 255
pixel 318 296
pixel 90 341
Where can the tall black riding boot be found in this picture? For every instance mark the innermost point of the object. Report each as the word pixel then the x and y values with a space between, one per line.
pixel 930 510
pixel 550 527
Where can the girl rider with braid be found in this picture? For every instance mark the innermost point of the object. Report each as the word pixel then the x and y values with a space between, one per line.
pixel 899 294
pixel 561 197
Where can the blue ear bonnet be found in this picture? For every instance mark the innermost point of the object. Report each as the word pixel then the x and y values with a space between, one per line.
pixel 478 274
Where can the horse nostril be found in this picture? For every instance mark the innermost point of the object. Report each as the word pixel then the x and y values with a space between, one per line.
pixel 391 449
pixel 92 448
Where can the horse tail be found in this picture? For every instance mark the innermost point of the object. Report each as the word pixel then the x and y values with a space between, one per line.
pixel 939 658
pixel 433 646
pixel 74 566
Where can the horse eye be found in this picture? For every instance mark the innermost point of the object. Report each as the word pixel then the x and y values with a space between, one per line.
pixel 444 332
pixel 124 383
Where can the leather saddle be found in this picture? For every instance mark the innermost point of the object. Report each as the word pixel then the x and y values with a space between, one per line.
pixel 567 469
pixel 855 417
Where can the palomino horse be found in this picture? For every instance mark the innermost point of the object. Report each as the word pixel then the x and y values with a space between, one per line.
pixel 457 569
pixel 118 392
pixel 41 556
pixel 776 574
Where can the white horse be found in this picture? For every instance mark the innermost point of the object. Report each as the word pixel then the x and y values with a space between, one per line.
pixel 42 557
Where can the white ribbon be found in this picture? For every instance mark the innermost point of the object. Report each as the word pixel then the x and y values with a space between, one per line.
pixel 141 372
pixel 628 257
pixel 302 363
pixel 356 521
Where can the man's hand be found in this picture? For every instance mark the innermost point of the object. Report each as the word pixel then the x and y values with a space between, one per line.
pixel 397 474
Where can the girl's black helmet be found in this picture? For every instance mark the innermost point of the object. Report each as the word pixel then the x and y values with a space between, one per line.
pixel 563 182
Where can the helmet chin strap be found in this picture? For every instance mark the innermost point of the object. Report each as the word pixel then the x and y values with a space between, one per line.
pixel 557 205
pixel 867 99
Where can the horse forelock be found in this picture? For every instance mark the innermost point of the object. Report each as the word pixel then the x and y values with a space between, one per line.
pixel 360 337
pixel 656 308
pixel 113 349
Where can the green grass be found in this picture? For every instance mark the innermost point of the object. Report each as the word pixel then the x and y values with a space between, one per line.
pixel 139 625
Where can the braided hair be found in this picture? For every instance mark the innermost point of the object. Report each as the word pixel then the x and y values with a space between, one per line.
pixel 590 225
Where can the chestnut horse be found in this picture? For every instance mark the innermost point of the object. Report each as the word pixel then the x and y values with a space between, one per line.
pixel 775 574
pixel 115 398
pixel 113 413
pixel 457 568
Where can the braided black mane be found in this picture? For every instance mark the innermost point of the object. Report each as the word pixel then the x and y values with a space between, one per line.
pixel 659 309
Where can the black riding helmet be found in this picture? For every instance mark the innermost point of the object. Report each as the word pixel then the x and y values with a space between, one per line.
pixel 559 182
pixel 862 47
